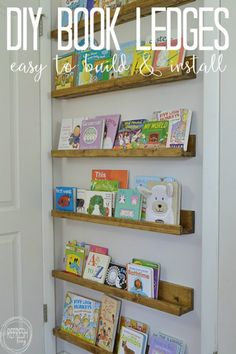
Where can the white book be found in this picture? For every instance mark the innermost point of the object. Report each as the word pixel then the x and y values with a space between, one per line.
pixel 140 280
pixel 70 134
pixel 96 267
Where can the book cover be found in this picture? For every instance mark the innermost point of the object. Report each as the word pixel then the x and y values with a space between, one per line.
pixel 108 322
pixel 104 69
pixel 156 272
pixel 70 134
pixel 132 341
pixel 129 134
pixel 140 280
pixel 96 267
pixel 179 344
pixel 99 203
pixel 116 276
pixel 72 4
pixel 126 56
pixel 65 198
pixel 66 71
pixel 180 122
pixel 111 127
pixel 160 344
pixel 128 204
pixel 92 133
pixel 164 59
pixel 80 317
pixel 75 259
pixel 133 324
pixel 105 186
pixel 155 134
pixel 112 175
pixel 143 61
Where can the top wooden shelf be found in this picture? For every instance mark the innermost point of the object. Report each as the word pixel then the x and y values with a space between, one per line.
pixel 127 14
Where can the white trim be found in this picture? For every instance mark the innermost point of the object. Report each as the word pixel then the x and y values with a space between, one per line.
pixel 47 181
pixel 210 210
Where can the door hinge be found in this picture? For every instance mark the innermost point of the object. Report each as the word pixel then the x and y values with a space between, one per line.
pixel 45 313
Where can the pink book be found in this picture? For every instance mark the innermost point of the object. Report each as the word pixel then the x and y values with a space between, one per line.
pixel 99 249
pixel 111 127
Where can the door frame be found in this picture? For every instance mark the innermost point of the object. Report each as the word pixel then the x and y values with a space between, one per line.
pixel 47 179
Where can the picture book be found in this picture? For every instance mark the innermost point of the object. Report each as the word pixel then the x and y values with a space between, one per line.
pixel 156 272
pixel 104 69
pixel 70 134
pixel 126 57
pixel 105 186
pixel 155 134
pixel 161 344
pixel 81 316
pixel 93 248
pixel 164 59
pixel 129 134
pixel 132 341
pixel 96 267
pixel 75 259
pixel 143 61
pixel 133 324
pixel 65 198
pixel 111 127
pixel 122 176
pixel 180 122
pixel 66 71
pixel 140 280
pixel 92 133
pixel 108 322
pixel 162 202
pixel 116 276
pixel 128 204
pixel 72 4
pixel 86 65
pixel 94 202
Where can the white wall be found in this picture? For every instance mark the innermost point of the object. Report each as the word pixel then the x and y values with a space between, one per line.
pixel 180 257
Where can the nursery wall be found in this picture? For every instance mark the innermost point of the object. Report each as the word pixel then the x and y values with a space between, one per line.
pixel 180 257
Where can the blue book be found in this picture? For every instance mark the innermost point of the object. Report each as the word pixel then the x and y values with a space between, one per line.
pixel 165 344
pixel 66 199
pixel 128 204
pixel 73 5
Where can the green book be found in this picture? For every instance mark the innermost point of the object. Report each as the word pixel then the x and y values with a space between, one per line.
pixel 155 134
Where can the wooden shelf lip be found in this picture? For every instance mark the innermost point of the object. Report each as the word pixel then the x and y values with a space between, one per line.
pixel 127 14
pixel 186 219
pixel 125 83
pixel 154 153
pixel 173 299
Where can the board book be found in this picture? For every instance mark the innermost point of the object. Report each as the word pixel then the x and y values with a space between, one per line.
pixel 66 71
pixel 111 127
pixel 165 344
pixel 75 259
pixel 92 133
pixel 122 176
pixel 96 267
pixel 129 134
pixel 70 134
pixel 128 204
pixel 65 198
pixel 94 202
pixel 132 341
pixel 155 134
pixel 140 280
pixel 116 276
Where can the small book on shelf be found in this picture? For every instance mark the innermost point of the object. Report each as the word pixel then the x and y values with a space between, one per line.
pixel 111 127
pixel 128 204
pixel 132 341
pixel 122 176
pixel 94 202
pixel 116 276
pixel 70 134
pixel 140 280
pixel 163 343
pixel 96 267
pixel 65 71
pixel 75 258
pixel 92 133
pixel 65 199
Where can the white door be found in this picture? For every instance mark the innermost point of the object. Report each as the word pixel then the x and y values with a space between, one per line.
pixel 21 267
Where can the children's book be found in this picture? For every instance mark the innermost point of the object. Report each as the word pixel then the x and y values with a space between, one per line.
pixel 92 133
pixel 108 322
pixel 72 4
pixel 155 134
pixel 128 204
pixel 94 202
pixel 164 344
pixel 180 122
pixel 164 59
pixel 81 317
pixel 111 127
pixel 75 259
pixel 65 199
pixel 96 267
pixel 143 61
pixel 104 69
pixel 126 57
pixel 133 324
pixel 129 134
pixel 66 71
pixel 112 175
pixel 156 272
pixel 140 280
pixel 116 276
pixel 94 248
pixel 111 3
pixel 105 186
pixel 70 134
pixel 132 341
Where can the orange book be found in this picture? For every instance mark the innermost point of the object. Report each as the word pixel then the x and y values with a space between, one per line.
pixel 122 176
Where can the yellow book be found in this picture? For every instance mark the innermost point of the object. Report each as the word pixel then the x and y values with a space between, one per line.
pixel 143 60
pixel 65 72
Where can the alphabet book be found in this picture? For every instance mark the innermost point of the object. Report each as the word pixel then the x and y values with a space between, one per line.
pixel 96 267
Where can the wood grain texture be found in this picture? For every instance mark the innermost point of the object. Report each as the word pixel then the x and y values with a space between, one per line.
pixel 173 299
pixel 186 227
pixel 127 14
pixel 127 82
pixel 154 153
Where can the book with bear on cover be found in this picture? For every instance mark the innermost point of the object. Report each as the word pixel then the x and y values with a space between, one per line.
pixel 108 322
pixel 65 198
pixel 155 134
pixel 75 258
pixel 165 344
pixel 96 267
pixel 111 126
pixel 80 317
pixel 132 341
pixel 70 134
pixel 129 134
pixel 128 204
pixel 94 202
pixel 122 176
pixel 140 280
pixel 92 133
pixel 116 276
pixel 66 71
pixel 180 123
